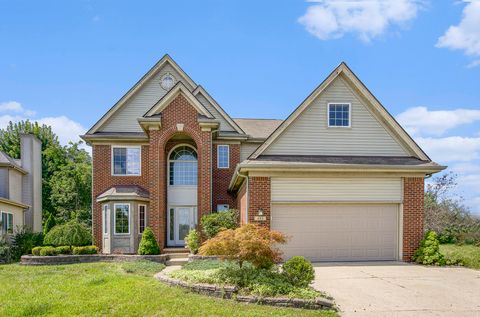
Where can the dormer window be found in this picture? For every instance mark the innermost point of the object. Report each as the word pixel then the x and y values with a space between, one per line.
pixel 339 115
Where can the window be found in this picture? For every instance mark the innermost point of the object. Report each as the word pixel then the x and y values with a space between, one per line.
pixel 183 166
pixel 126 160
pixel 105 219
pixel 122 219
pixel 223 207
pixel 223 156
pixel 339 115
pixel 142 218
pixel 7 222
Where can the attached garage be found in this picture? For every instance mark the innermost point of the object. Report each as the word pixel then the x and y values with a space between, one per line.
pixel 338 219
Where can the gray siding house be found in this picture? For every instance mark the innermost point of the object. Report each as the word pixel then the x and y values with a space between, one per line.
pixel 21 187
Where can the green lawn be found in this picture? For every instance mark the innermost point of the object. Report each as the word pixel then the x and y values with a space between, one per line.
pixel 468 254
pixel 114 289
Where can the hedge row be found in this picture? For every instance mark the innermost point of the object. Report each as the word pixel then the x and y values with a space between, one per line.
pixel 50 251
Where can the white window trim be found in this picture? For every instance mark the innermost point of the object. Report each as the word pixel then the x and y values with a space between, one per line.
pixel 145 218
pixel 227 205
pixel 349 115
pixel 126 147
pixel 218 156
pixel 115 219
pixel 13 220
pixel 105 207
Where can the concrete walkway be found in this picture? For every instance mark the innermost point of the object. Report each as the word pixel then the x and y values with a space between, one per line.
pixel 399 289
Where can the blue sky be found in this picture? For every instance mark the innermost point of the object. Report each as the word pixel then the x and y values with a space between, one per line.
pixel 66 62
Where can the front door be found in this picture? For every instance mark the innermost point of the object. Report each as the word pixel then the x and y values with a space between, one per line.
pixel 181 220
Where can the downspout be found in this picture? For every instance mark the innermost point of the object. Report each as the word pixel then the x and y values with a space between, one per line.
pixel 246 193
pixel 211 168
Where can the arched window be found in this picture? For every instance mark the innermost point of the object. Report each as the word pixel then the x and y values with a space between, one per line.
pixel 183 166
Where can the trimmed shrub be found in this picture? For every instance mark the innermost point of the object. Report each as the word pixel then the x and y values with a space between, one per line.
pixel 23 241
pixel 249 243
pixel 429 251
pixel 298 271
pixel 48 251
pixel 215 222
pixel 148 244
pixel 64 249
pixel 193 241
pixel 36 251
pixel 89 249
pixel 71 233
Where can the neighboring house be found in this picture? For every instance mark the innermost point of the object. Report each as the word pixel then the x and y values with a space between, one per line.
pixel 339 175
pixel 21 187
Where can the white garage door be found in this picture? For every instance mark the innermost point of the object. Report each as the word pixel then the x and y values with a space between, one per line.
pixel 344 232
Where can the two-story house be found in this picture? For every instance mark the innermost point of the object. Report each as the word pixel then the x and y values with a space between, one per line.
pixel 339 176
pixel 21 187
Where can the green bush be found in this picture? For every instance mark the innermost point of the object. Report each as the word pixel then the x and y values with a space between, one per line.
pixel 89 249
pixel 23 241
pixel 36 251
pixel 217 221
pixel 429 251
pixel 71 233
pixel 5 255
pixel 298 271
pixel 49 224
pixel 64 249
pixel 193 241
pixel 48 251
pixel 148 244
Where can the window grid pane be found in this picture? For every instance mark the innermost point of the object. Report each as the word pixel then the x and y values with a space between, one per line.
pixel 126 161
pixel 122 219
pixel 105 220
pixel 223 156
pixel 339 115
pixel 141 217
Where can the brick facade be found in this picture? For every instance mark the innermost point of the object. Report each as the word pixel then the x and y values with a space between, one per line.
pixel 222 177
pixel 259 199
pixel 413 215
pixel 102 180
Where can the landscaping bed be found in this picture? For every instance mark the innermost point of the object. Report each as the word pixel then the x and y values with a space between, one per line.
pixel 247 283
pixel 87 258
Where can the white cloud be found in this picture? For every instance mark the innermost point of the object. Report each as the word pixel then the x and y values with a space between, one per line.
pixel 466 35
pixel 331 19
pixel 421 121
pixel 66 129
pixel 473 64
pixel 449 149
pixel 14 106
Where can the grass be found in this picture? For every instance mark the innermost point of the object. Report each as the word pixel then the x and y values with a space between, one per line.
pixel 469 255
pixel 261 282
pixel 112 289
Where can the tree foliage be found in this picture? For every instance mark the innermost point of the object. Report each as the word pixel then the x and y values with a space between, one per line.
pixel 66 171
pixel 249 243
pixel 446 214
pixel 71 233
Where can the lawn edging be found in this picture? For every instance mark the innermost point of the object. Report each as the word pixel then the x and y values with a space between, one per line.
pixel 71 259
pixel 231 292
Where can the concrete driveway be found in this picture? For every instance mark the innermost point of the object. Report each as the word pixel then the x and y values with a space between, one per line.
pixel 400 289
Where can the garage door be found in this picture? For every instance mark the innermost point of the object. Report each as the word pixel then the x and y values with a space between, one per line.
pixel 339 232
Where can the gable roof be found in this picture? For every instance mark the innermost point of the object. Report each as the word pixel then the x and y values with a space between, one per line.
pixel 213 102
pixel 178 89
pixel 150 74
pixel 258 128
pixel 379 110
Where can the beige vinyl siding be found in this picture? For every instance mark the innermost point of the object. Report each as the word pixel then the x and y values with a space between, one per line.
pixel 15 185
pixel 337 189
pixel 246 149
pixel 224 125
pixel 125 119
pixel 309 134
pixel 17 215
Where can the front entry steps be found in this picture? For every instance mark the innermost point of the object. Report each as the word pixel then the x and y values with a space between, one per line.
pixel 176 256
